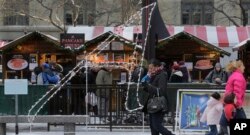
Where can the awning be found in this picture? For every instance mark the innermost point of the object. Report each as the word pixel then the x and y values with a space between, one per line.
pixel 220 36
pixel 241 44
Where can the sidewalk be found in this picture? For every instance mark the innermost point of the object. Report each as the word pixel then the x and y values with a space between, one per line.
pixel 41 129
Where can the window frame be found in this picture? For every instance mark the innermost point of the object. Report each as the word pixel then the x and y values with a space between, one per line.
pixel 196 7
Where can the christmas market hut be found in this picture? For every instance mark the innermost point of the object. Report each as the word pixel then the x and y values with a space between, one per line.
pixel 199 56
pixel 21 56
pixel 110 49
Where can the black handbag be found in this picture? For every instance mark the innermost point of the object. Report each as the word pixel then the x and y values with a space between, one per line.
pixel 157 103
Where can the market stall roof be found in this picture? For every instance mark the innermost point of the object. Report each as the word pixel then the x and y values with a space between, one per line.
pixel 23 38
pixel 241 44
pixel 111 36
pixel 220 36
pixel 201 42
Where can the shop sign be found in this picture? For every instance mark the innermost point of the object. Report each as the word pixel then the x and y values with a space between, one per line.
pixel 17 63
pixel 72 40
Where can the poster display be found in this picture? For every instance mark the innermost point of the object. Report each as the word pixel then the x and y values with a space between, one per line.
pixel 191 104
pixel 192 107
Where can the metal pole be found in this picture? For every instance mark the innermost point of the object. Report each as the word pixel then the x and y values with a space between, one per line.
pixel 16 110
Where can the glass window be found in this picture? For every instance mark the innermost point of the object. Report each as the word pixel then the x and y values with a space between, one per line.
pixel 197 12
pixel 85 13
pixel 11 16
pixel 196 18
pixel 246 6
pixel 185 18
pixel 68 19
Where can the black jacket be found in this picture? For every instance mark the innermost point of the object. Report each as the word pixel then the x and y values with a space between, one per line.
pixel 159 81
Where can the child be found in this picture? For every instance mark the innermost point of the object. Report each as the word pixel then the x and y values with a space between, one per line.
pixel 213 113
pixel 229 113
pixel 229 107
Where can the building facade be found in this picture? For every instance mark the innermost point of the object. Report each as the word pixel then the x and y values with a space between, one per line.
pixel 18 17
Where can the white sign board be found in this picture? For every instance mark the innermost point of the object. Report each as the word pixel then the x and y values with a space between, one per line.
pixel 15 86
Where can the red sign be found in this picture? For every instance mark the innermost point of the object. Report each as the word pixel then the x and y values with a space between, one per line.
pixel 72 40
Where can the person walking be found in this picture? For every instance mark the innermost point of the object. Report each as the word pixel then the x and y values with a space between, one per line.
pixel 236 84
pixel 213 113
pixel 104 77
pixel 158 80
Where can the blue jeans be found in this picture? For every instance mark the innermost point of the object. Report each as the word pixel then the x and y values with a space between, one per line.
pixel 213 130
pixel 156 125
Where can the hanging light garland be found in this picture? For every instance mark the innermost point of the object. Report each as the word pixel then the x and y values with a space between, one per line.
pixel 80 65
pixel 141 63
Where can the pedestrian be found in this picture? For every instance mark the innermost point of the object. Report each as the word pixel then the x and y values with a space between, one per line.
pixel 236 84
pixel 213 113
pixel 104 77
pixel 47 76
pixel 176 75
pixel 159 79
pixel 185 72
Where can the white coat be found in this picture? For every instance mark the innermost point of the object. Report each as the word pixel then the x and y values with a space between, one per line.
pixel 212 112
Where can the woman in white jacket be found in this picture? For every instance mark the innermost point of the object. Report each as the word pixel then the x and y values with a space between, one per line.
pixel 213 113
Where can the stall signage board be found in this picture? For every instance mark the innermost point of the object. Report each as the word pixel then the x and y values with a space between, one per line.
pixel 15 86
pixel 72 40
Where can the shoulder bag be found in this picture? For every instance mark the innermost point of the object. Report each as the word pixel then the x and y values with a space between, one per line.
pixel 157 103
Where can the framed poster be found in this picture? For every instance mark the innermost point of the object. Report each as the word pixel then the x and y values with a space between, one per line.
pixel 103 46
pixel 192 106
pixel 117 46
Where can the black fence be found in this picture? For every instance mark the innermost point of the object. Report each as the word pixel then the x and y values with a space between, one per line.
pixel 106 107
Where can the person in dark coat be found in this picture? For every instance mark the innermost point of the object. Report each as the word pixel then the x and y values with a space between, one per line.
pixel 177 75
pixel 216 76
pixel 184 71
pixel 159 79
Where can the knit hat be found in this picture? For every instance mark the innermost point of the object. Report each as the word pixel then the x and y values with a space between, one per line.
pixel 217 65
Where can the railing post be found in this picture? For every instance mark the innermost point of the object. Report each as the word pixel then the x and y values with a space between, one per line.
pixel 68 98
pixel 110 108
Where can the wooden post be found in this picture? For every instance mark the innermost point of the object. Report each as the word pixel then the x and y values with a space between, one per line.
pixel 199 75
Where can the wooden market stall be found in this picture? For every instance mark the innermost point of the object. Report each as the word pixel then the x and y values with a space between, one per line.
pixel 22 55
pixel 112 49
pixel 199 55
pixel 243 49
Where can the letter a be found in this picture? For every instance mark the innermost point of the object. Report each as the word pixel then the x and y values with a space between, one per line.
pixel 237 126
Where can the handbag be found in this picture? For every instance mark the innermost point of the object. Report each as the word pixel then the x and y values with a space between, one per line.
pixel 157 103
